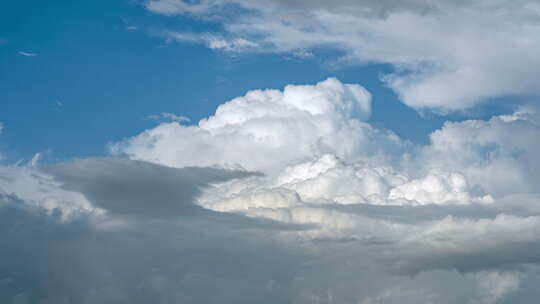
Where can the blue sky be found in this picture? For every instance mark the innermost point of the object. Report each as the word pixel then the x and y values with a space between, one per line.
pixel 269 151
pixel 99 72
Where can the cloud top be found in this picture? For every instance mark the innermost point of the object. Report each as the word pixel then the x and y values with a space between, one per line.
pixel 273 127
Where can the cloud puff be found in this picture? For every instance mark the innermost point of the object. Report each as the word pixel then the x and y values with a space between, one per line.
pixel 447 55
pixel 272 127
pixel 437 187
pixel 500 154
pixel 328 180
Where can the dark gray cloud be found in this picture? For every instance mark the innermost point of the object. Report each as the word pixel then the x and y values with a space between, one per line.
pixel 201 258
pixel 135 188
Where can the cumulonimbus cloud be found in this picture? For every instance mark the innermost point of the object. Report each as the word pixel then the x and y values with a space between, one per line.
pixel 321 207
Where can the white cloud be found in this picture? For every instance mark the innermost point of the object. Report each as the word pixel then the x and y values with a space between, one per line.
pixel 448 55
pixel 500 154
pixel 437 187
pixel 267 129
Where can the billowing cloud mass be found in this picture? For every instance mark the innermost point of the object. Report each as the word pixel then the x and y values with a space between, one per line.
pixel 273 127
pixel 281 196
pixel 448 55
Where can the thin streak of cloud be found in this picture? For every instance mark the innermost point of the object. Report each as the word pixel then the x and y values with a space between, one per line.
pixel 27 54
pixel 169 116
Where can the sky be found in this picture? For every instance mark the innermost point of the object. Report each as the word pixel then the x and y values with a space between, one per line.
pixel 282 151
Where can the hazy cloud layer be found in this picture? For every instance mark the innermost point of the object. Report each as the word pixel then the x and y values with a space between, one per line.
pixel 447 55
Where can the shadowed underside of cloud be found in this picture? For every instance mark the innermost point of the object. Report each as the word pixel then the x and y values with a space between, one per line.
pixel 447 55
pixel 197 260
pixel 134 188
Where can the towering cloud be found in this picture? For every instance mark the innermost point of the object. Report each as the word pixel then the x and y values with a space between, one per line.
pixel 266 129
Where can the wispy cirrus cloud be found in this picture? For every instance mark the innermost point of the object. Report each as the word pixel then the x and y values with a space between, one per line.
pixel 27 54
pixel 168 117
pixel 213 41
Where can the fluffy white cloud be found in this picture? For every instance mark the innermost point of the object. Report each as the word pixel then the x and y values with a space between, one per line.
pixel 266 129
pixel 501 154
pixel 295 194
pixel 315 148
pixel 437 187
pixel 448 55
